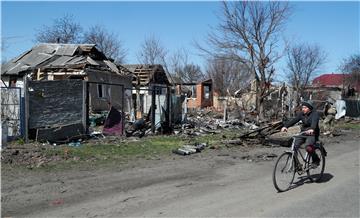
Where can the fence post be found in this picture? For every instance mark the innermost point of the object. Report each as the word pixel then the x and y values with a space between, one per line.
pixel 122 110
pixel 26 99
pixel 153 105
pixel 169 105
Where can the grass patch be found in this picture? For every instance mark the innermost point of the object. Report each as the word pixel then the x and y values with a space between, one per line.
pixel 354 126
pixel 147 147
pixel 113 152
pixel 123 151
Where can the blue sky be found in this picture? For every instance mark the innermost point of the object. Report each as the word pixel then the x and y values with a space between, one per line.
pixel 334 26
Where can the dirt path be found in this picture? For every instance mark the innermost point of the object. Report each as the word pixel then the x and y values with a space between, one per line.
pixel 232 182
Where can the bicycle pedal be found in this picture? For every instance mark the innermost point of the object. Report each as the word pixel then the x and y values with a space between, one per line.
pixel 300 171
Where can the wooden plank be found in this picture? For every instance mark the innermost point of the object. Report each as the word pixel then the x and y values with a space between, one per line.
pixel 266 130
pixel 85 108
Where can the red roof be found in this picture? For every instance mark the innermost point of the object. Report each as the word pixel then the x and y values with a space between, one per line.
pixel 330 80
pixel 336 80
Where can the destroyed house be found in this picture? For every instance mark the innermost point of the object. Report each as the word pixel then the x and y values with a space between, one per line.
pixel 145 79
pixel 49 61
pixel 199 95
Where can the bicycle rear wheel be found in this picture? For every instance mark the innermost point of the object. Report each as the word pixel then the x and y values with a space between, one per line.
pixel 284 172
pixel 315 171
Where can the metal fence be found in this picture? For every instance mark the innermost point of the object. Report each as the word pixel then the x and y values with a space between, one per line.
pixel 12 112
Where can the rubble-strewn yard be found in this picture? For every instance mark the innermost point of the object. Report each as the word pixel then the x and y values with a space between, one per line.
pixel 110 150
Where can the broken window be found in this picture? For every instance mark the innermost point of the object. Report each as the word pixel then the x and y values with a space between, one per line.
pixel 193 89
pixel 103 91
pixel 207 90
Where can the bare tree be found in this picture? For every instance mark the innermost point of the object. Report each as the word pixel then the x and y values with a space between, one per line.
pixel 152 52
pixel 249 33
pixel 181 68
pixel 190 73
pixel 351 66
pixel 228 76
pixel 177 60
pixel 106 42
pixel 63 30
pixel 303 62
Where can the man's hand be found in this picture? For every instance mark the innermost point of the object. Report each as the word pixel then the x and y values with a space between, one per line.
pixel 309 132
pixel 284 129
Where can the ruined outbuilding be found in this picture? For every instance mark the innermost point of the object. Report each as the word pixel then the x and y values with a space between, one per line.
pixel 199 94
pixel 146 79
pixel 49 61
pixel 91 83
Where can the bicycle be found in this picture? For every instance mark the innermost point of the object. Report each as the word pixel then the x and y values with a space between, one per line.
pixel 288 164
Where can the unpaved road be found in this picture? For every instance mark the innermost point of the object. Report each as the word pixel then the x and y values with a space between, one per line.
pixel 214 183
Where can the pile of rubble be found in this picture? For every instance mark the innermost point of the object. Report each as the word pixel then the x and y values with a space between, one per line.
pixel 202 123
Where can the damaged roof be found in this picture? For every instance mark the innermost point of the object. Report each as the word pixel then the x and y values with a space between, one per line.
pixel 147 74
pixel 49 55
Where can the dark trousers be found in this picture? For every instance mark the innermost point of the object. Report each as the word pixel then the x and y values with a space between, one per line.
pixel 308 140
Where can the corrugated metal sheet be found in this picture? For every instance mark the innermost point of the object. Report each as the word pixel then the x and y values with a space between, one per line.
pixel 77 60
pixel 33 60
pixel 60 61
pixel 91 61
pixel 15 69
pixel 27 62
pixel 68 50
pixel 112 66
pixel 59 55
pixel 45 48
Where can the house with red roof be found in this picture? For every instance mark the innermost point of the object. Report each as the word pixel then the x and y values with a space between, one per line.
pixel 343 81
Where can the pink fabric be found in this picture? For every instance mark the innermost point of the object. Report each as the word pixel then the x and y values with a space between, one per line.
pixel 115 130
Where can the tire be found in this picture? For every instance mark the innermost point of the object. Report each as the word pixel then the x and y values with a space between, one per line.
pixel 316 174
pixel 284 172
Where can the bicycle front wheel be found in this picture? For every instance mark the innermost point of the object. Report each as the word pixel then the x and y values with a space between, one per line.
pixel 284 172
pixel 316 170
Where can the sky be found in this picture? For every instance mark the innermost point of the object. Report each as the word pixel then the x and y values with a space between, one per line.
pixel 332 25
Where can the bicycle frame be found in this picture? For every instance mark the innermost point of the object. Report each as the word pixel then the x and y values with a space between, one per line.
pixel 295 151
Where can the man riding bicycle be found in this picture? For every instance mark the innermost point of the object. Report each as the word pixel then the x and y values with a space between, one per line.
pixel 310 126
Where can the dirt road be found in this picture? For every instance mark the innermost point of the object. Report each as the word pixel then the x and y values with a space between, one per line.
pixel 232 182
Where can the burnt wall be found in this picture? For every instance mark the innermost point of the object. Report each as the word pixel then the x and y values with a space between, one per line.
pixel 55 103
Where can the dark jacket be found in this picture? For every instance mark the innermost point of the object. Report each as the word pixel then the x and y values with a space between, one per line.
pixel 309 121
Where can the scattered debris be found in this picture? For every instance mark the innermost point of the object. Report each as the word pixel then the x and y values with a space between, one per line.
pixel 97 135
pixel 75 144
pixel 138 128
pixel 259 157
pixel 190 149
pixel 264 131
